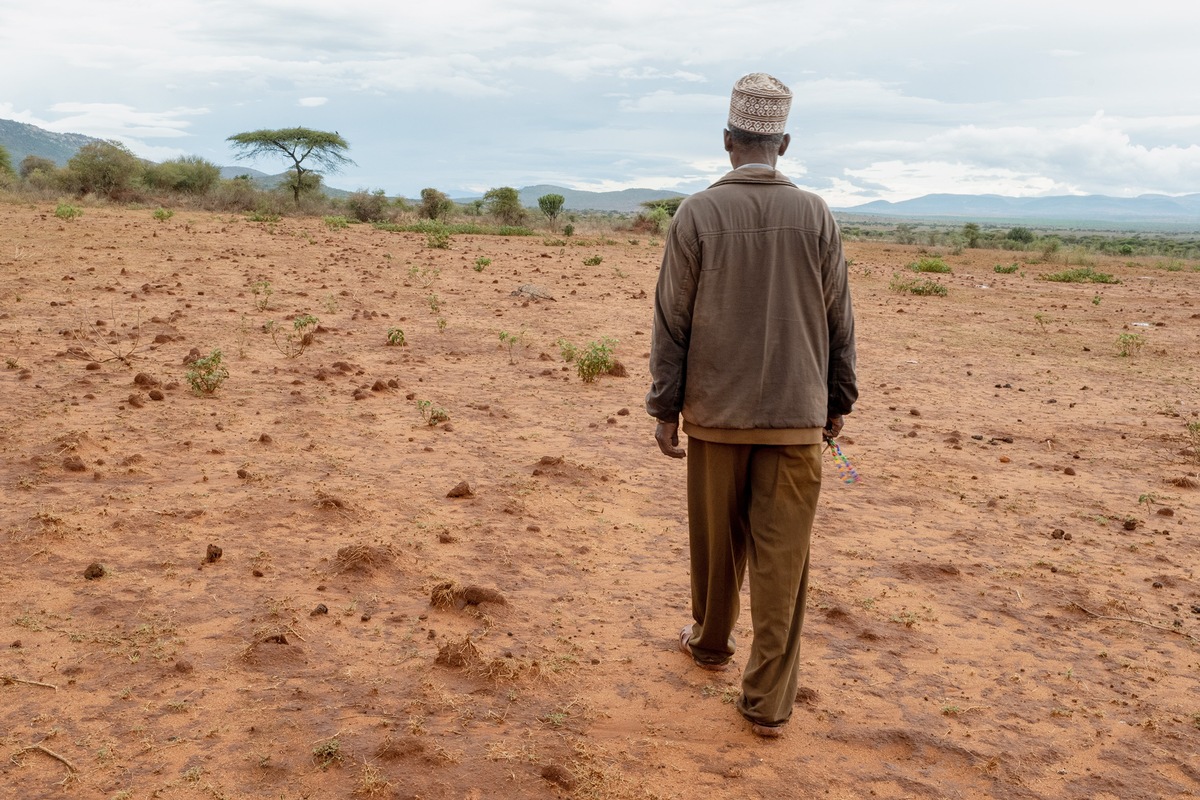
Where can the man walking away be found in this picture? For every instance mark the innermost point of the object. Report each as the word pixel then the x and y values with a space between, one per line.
pixel 753 345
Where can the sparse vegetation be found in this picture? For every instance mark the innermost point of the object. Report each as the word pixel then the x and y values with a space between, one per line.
pixel 1006 269
pixel 336 223
pixel 929 264
pixel 482 263
pixel 297 340
pixel 430 413
pixel 595 359
pixel 1130 344
pixel 262 292
pixel 395 338
pixel 205 375
pixel 593 261
pixel 921 287
pixel 67 212
pixel 1080 275
pixel 163 214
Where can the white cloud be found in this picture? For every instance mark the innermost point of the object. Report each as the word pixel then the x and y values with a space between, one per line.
pixel 312 102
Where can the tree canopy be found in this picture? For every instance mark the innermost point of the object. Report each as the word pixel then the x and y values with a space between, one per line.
pixel 323 148
pixel 505 204
pixel 551 205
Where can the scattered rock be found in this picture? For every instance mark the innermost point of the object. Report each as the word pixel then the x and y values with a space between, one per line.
pixel 806 695
pixel 193 355
pixel 135 401
pixel 1069 471
pixel 92 366
pixel 243 474
pixel 463 489
pixel 74 464
pixel 320 609
pixel 1131 524
pixel 156 394
pixel 1165 512
pixel 265 438
pixel 379 386
pixel 213 554
pixel 145 381
pixel 446 537
pixel 1058 533
pixel 94 571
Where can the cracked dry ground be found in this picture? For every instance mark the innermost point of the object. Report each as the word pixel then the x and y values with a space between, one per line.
pixel 1005 606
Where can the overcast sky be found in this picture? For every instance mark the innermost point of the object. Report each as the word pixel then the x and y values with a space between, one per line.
pixel 893 99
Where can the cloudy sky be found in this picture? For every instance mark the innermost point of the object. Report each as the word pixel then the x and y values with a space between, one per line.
pixel 893 99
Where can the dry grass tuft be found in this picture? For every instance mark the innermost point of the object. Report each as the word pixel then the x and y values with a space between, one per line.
pixel 364 557
pixel 448 594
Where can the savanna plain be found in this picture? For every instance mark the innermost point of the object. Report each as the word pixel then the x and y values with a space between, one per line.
pixel 403 550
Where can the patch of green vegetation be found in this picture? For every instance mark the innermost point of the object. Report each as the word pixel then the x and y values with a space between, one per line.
pixel 336 223
pixel 921 287
pixel 1004 269
pixel 595 359
pixel 1130 344
pixel 1079 275
pixel 163 214
pixel 930 264
pixel 66 211
pixel 207 374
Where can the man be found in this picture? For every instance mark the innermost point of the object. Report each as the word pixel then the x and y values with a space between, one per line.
pixel 753 344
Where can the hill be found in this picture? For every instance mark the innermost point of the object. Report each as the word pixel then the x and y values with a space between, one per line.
pixel 23 140
pixel 1148 208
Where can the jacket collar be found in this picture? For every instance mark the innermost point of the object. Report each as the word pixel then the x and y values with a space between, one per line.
pixel 754 175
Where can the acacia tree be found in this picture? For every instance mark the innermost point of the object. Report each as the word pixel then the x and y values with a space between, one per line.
pixel 324 149
pixel 505 204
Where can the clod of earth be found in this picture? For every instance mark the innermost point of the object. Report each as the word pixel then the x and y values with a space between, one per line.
pixel 318 610
pixel 213 553
pixel 155 394
pixel 559 775
pixel 95 570
pixel 448 593
pixel 463 489
pixel 74 464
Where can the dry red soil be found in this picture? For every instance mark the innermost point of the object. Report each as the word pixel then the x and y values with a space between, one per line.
pixel 1005 605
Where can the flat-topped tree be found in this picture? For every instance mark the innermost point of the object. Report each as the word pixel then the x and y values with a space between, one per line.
pixel 322 147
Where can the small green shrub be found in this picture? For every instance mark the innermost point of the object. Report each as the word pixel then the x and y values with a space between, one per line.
pixel 292 344
pixel 207 374
pixel 67 211
pixel 1130 344
pixel 481 263
pixel 595 359
pixel 263 216
pixel 930 264
pixel 1079 275
pixel 568 230
pixel 163 214
pixel 512 340
pixel 568 351
pixel 430 413
pixel 336 223
pixel 438 239
pixel 922 287
pixel 593 261
pixel 1006 270
pixel 395 338
pixel 262 294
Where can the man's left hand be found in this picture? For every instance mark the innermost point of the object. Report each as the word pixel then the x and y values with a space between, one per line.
pixel 833 426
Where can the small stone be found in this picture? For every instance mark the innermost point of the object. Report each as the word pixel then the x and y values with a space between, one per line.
pixel 74 464
pixel 1130 524
pixel 265 438
pixel 320 609
pixel 1005 459
pixel 213 554
pixel 156 394
pixel 1157 584
pixel 242 473
pixel 1058 533
pixel 1069 471
pixel 258 573
pixel 95 570
pixel 463 489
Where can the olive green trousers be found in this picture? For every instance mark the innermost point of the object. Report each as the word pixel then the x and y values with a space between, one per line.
pixel 752 505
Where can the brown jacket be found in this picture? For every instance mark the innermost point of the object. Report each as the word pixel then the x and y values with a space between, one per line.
pixel 753 327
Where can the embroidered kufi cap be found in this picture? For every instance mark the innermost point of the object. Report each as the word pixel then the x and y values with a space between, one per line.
pixel 759 104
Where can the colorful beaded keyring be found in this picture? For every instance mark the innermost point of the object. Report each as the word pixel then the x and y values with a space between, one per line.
pixel 844 467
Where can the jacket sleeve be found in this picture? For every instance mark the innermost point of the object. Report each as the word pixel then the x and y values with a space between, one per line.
pixel 841 381
pixel 673 302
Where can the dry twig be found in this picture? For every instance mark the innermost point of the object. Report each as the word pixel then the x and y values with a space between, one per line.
pixel 7 679
pixel 1135 621
pixel 43 749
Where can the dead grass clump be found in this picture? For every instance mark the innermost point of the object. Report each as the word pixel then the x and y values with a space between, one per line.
pixel 326 500
pixel 448 594
pixel 1184 482
pixel 364 557
pixel 466 656
pixel 391 750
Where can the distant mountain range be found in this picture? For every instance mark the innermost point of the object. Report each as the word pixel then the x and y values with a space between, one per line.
pixel 1148 208
pixel 22 139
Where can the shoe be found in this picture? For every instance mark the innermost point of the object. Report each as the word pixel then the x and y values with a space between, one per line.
pixel 684 635
pixel 766 731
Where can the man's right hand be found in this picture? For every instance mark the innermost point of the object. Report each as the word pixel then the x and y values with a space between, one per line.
pixel 667 436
